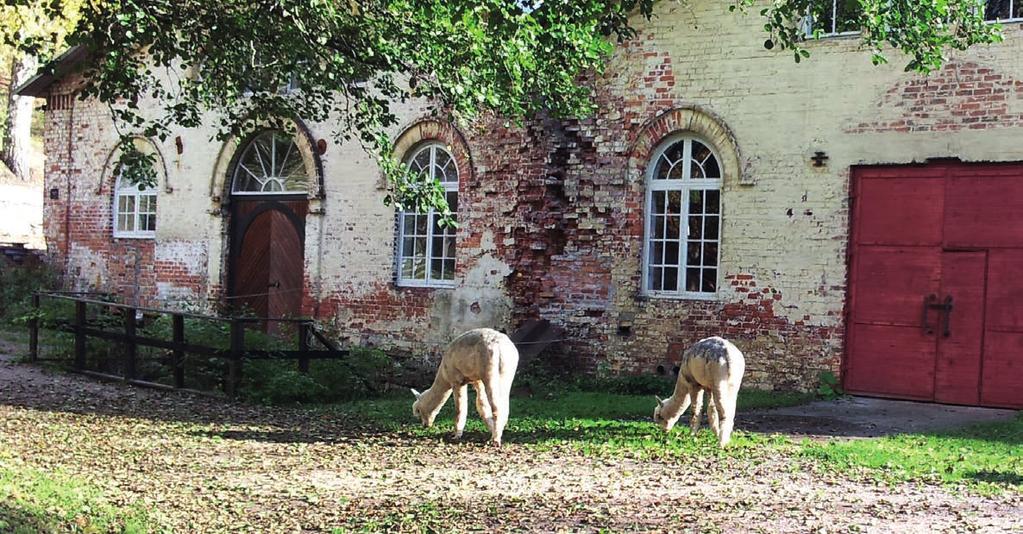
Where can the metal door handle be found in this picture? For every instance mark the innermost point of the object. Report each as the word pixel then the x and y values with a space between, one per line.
pixel 930 301
pixel 947 308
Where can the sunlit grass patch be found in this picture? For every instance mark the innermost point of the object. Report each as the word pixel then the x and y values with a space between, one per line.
pixel 987 456
pixel 33 501
pixel 588 422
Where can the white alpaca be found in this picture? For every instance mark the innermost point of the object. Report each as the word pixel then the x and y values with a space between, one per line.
pixel 484 358
pixel 712 364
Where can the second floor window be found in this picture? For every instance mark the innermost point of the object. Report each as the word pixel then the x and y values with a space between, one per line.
pixel 1003 10
pixel 835 17
pixel 426 250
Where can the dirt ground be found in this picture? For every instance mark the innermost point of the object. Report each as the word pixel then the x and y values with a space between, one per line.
pixel 204 465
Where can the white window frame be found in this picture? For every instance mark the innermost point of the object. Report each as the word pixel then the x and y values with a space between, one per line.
pixel 129 190
pixel 685 185
pixel 449 187
pixel 293 151
pixel 808 25
pixel 1012 4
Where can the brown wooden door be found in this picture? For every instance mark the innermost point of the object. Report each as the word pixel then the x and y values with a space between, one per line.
pixel 267 266
pixel 936 296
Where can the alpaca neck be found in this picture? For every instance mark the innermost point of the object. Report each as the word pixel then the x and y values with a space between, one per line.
pixel 434 398
pixel 677 402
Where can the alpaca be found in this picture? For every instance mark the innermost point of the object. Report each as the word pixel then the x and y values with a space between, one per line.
pixel 712 364
pixel 484 358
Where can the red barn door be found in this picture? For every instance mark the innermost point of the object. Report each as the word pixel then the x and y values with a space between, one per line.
pixel 934 313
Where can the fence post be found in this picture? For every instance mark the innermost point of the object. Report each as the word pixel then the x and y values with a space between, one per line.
pixel 33 330
pixel 80 335
pixel 234 365
pixel 131 349
pixel 178 355
pixel 303 347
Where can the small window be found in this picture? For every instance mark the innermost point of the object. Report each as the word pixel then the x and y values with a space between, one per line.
pixel 1003 10
pixel 836 17
pixel 271 164
pixel 683 222
pixel 134 210
pixel 426 250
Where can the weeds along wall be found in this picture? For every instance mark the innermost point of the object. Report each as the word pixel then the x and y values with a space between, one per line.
pixel 552 213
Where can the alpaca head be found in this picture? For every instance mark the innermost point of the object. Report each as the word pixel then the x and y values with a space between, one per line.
pixel 665 423
pixel 424 416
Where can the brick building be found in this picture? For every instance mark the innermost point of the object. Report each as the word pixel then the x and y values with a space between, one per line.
pixel 818 214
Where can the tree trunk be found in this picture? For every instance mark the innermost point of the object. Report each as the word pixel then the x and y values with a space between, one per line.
pixel 17 134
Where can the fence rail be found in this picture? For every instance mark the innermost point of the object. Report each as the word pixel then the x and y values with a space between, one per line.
pixel 178 345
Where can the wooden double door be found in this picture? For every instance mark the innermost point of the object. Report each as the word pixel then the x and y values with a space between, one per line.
pixel 936 286
pixel 266 267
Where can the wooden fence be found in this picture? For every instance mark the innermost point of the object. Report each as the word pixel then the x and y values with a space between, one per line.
pixel 179 345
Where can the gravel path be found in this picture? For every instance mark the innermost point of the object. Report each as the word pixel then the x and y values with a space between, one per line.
pixel 204 465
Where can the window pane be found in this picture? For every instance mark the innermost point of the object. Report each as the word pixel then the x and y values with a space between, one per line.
pixel 449 269
pixel 711 168
pixel 445 166
pixel 270 163
pixel 670 279
pixel 658 227
pixel 449 247
pixel 847 15
pixel 438 246
pixel 656 273
pixel 695 227
pixel 710 281
pixel 657 253
pixel 675 202
pixel 693 253
pixel 824 11
pixel 419 268
pixel 129 222
pixel 674 227
pixel 407 247
pixel 406 268
pixel 658 202
pixel 436 269
pixel 149 223
pixel 452 198
pixel 695 202
pixel 671 253
pixel 710 254
pixel 1017 9
pixel 692 279
pixel 419 249
pixel 997 9
pixel 661 171
pixel 711 228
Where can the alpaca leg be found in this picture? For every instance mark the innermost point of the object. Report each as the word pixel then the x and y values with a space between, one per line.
pixel 498 395
pixel 694 422
pixel 726 412
pixel 483 406
pixel 461 408
pixel 713 412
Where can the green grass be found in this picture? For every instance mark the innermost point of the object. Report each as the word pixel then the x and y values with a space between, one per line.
pixel 588 422
pixel 33 501
pixel 987 456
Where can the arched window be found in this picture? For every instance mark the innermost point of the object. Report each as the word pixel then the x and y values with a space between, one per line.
pixel 271 164
pixel 683 221
pixel 134 209
pixel 426 251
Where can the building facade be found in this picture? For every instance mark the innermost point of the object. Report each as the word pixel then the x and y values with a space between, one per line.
pixel 818 214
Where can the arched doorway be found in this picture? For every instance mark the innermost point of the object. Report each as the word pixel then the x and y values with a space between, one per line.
pixel 269 203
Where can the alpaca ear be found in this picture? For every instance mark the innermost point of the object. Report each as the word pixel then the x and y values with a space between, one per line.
pixel 416 393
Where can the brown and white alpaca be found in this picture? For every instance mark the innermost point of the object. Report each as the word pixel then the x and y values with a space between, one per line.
pixel 485 358
pixel 713 364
